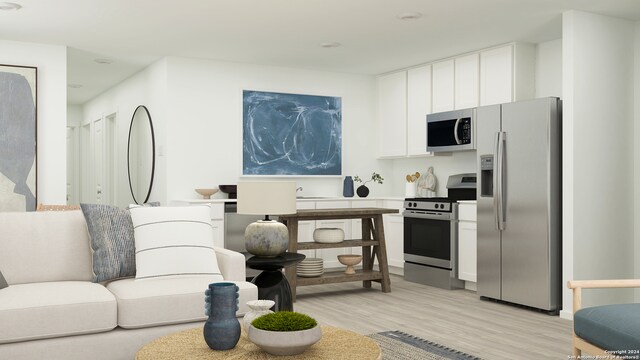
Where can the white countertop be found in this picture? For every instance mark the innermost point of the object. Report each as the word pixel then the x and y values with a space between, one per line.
pixel 472 202
pixel 306 199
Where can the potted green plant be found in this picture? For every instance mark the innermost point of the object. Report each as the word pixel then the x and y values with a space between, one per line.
pixel 363 190
pixel 284 332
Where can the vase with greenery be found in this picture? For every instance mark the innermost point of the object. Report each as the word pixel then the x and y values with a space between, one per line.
pixel 363 190
pixel 284 332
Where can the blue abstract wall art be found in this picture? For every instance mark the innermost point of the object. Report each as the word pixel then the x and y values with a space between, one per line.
pixel 291 134
pixel 17 138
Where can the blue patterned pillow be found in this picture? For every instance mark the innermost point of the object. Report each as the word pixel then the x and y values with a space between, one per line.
pixel 111 232
pixel 3 282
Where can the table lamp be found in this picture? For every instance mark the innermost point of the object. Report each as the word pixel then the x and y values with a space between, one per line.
pixel 267 238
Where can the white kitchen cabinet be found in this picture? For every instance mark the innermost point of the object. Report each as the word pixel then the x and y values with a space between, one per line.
pixel 394 234
pixel 443 82
pixel 218 233
pixel 418 106
pixel 305 228
pixel 467 242
pixel 507 73
pixel 392 114
pixel 330 256
pixel 467 78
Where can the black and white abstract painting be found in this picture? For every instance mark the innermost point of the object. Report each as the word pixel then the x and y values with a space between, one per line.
pixel 18 138
pixel 291 134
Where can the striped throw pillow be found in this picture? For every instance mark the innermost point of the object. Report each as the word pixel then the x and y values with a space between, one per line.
pixel 174 241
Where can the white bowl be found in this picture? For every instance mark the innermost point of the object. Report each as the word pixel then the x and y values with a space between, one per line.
pixel 285 342
pixel 328 235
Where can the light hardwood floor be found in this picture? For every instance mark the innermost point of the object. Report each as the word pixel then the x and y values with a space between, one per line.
pixel 454 318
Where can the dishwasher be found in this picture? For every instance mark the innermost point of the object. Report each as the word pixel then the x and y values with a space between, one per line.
pixel 234 226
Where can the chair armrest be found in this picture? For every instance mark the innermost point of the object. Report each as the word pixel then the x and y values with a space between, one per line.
pixel 578 285
pixel 232 264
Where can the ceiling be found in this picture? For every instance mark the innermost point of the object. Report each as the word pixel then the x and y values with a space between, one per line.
pixel 134 34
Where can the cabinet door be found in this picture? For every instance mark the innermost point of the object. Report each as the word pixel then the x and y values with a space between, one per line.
pixel 392 114
pixel 418 106
pixel 394 238
pixel 218 233
pixel 496 76
pixel 467 252
pixel 467 79
pixel 330 256
pixel 443 84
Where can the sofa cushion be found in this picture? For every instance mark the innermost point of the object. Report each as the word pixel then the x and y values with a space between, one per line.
pixel 38 246
pixel 55 309
pixel 111 233
pixel 162 301
pixel 174 241
pixel 610 327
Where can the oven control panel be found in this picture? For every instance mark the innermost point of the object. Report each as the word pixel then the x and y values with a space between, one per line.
pixel 427 205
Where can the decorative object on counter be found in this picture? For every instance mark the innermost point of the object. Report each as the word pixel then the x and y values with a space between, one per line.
pixel 206 193
pixel 347 187
pixel 328 235
pixel 222 329
pixel 310 267
pixel 350 261
pixel 267 238
pixel 285 333
pixel 410 187
pixel 232 190
pixel 431 182
pixel 258 308
pixel 363 190
pixel 291 134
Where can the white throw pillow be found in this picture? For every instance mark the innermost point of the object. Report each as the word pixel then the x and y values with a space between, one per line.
pixel 174 241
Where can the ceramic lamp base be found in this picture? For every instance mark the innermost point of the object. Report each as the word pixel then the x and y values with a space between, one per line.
pixel 266 238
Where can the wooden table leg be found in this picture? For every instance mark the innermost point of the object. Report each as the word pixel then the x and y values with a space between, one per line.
pixel 291 271
pixel 381 252
pixel 367 260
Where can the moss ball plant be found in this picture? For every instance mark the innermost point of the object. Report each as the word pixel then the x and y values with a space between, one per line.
pixel 284 321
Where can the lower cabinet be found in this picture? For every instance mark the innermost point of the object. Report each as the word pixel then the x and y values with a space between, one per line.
pixel 467 242
pixel 218 233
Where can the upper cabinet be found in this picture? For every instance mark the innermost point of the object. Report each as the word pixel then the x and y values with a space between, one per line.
pixel 493 76
pixel 392 114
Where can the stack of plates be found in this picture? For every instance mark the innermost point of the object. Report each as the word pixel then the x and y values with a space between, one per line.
pixel 310 267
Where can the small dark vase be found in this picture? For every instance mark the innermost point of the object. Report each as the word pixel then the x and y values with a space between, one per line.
pixel 222 329
pixel 362 191
pixel 347 188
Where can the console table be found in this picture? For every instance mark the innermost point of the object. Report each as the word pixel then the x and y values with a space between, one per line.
pixel 372 243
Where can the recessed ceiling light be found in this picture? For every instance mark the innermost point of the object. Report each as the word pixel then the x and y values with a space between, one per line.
pixel 9 6
pixel 330 44
pixel 74 86
pixel 408 16
pixel 103 61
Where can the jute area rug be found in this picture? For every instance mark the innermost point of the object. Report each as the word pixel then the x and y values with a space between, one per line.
pixel 397 345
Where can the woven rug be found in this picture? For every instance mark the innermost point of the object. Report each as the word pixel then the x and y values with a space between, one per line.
pixel 397 345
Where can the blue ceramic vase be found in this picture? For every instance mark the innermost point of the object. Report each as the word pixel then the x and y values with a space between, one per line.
pixel 222 329
pixel 347 187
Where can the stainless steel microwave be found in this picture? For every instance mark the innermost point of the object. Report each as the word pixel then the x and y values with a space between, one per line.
pixel 451 131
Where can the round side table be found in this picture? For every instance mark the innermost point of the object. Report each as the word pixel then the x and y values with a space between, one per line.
pixel 271 283
pixel 336 343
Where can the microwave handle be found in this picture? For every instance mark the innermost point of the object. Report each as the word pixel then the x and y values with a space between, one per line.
pixel 455 131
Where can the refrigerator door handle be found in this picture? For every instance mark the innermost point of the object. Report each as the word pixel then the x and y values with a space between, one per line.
pixel 501 222
pixel 455 131
pixel 496 189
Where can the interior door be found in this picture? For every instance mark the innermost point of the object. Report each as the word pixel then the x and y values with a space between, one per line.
pixel 71 166
pixel 98 161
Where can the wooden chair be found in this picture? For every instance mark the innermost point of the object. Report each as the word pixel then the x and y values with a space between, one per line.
pixel 579 344
pixel 42 207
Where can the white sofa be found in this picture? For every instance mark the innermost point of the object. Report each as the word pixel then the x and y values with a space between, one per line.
pixel 52 310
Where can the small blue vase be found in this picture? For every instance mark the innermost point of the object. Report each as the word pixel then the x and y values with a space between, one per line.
pixel 222 329
pixel 347 187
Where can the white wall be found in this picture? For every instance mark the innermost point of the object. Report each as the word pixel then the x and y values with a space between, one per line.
pixel 204 123
pixel 51 61
pixel 148 88
pixel 636 156
pixel 597 152
pixel 549 69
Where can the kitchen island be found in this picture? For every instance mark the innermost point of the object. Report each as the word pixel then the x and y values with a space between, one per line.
pixel 372 243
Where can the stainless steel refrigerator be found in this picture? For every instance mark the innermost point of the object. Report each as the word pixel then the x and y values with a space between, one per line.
pixel 519 202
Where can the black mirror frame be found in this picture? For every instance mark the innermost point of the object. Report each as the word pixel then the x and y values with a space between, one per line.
pixel 153 154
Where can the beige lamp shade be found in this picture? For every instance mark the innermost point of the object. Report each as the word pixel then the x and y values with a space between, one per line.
pixel 266 197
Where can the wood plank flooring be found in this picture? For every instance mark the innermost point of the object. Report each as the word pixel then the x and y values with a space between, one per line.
pixel 454 318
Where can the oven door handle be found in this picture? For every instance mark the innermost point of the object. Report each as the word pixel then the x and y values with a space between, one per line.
pixel 428 216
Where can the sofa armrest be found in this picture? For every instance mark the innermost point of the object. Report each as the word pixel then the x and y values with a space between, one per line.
pixel 232 264
pixel 578 285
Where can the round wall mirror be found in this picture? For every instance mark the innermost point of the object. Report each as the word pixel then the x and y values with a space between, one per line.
pixel 141 155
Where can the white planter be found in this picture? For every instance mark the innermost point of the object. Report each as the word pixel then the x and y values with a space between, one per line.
pixel 328 235
pixel 285 342
pixel 258 308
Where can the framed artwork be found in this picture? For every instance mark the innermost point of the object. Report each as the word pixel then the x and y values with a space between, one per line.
pixel 18 99
pixel 291 134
